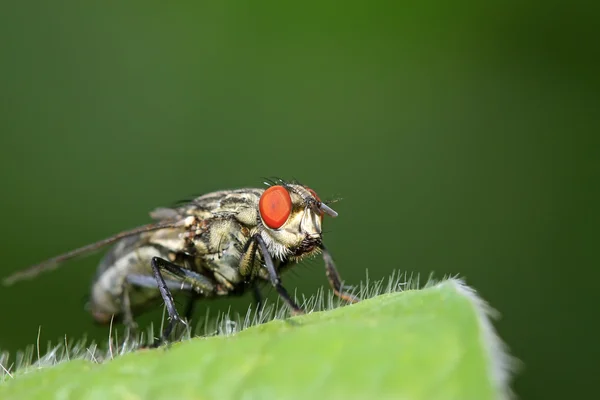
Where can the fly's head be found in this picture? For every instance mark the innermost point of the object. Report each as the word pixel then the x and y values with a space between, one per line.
pixel 291 216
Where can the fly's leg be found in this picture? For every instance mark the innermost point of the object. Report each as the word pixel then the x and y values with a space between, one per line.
pixel 248 269
pixel 274 277
pixel 128 320
pixel 198 283
pixel 257 296
pixel 146 281
pixel 174 317
pixel 189 308
pixel 139 281
pixel 335 280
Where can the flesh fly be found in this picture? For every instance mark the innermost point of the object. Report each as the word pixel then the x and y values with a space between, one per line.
pixel 219 244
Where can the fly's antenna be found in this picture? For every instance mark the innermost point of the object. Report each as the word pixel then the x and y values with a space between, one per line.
pixel 54 262
pixel 328 210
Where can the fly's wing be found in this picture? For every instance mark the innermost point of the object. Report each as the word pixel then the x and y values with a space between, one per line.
pixel 175 210
pixel 163 213
pixel 53 263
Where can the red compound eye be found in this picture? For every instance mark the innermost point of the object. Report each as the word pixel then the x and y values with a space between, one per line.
pixel 275 206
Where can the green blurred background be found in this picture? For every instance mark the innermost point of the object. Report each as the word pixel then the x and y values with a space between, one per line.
pixel 462 138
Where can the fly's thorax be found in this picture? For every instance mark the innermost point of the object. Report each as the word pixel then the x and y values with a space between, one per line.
pixel 291 221
pixel 240 203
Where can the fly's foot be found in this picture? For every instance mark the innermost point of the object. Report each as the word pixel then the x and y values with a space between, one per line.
pixel 350 298
pixel 131 326
pixel 296 310
pixel 346 294
pixel 173 322
pixel 177 320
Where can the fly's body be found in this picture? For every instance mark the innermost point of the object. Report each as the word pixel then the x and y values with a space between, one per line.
pixel 221 243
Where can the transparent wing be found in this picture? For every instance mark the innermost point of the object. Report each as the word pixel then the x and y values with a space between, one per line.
pixel 54 262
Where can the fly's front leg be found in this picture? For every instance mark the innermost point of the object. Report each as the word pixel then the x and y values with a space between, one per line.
pixel 196 282
pixel 274 277
pixel 248 269
pixel 335 280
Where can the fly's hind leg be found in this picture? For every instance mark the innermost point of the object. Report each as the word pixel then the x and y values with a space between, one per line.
pixel 335 280
pixel 128 320
pixel 197 283
pixel 145 281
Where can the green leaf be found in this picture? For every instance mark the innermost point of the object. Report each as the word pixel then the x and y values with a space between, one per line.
pixel 432 343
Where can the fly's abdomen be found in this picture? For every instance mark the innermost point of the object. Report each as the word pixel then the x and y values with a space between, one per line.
pixel 125 264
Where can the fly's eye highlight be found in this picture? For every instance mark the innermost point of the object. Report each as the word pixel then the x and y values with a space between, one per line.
pixel 275 206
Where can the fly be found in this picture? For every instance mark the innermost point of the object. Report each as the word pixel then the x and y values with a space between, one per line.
pixel 219 244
